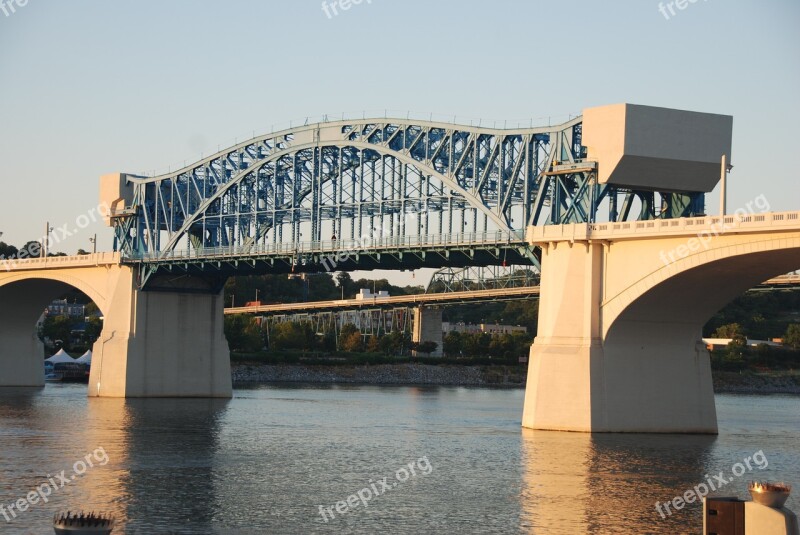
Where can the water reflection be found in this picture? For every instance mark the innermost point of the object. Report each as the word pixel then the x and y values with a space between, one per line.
pixel 170 447
pixel 144 459
pixel 264 462
pixel 581 483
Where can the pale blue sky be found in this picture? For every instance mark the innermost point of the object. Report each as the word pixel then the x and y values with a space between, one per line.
pixel 96 86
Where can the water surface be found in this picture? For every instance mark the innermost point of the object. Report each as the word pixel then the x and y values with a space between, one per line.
pixel 265 461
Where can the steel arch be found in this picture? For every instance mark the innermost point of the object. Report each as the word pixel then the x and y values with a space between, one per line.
pixel 399 177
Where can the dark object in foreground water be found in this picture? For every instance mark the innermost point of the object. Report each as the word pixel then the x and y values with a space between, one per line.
pixel 82 524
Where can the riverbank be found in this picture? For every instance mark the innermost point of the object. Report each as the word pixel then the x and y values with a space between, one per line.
pixel 382 374
pixel 449 375
pixel 775 382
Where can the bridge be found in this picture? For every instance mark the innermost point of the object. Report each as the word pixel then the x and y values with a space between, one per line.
pixel 597 204
pixel 377 314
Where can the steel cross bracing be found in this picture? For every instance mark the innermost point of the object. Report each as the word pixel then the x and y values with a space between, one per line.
pixel 449 280
pixel 387 193
pixel 370 321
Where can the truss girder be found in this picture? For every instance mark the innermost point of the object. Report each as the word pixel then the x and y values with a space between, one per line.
pixel 349 179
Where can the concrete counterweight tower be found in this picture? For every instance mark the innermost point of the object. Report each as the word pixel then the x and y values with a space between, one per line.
pixel 597 366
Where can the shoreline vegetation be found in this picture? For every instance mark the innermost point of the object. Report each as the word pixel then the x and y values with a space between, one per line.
pixel 248 370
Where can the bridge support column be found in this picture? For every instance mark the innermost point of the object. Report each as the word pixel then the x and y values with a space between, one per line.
pixel 642 377
pixel 161 344
pixel 428 328
pixel 21 356
pixel 21 351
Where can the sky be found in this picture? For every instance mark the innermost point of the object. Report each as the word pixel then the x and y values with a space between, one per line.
pixel 89 87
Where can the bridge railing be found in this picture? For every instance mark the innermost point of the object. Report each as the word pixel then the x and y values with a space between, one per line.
pixel 54 262
pixel 341 247
pixel 714 225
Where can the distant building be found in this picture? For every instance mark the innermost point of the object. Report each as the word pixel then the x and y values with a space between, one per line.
pixel 364 295
pixel 489 328
pixel 60 307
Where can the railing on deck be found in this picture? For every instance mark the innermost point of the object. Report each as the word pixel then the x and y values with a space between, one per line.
pixel 352 246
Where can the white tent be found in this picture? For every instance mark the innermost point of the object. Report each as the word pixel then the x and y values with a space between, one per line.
pixel 86 358
pixel 60 358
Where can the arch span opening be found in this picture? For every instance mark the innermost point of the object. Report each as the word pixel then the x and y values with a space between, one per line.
pixel 33 326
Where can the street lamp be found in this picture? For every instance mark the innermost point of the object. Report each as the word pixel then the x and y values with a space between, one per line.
pixel 94 244
pixel 47 231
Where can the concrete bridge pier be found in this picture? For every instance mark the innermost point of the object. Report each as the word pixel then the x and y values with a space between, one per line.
pixel 162 344
pixel 168 341
pixel 641 377
pixel 428 328
pixel 621 313
pixel 21 351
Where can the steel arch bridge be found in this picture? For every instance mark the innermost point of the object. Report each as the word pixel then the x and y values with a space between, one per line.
pixel 374 193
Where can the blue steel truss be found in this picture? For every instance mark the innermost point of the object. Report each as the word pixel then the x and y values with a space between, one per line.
pixel 403 183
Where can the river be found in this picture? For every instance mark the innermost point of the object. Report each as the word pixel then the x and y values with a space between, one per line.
pixel 286 459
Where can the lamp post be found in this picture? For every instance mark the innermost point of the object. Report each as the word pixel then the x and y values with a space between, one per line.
pixel 723 194
pixel 94 244
pixel 47 231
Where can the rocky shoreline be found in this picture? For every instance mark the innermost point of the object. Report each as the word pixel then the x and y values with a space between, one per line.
pixel 381 374
pixel 749 383
pixel 498 376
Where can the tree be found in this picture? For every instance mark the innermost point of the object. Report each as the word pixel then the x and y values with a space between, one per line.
pixel 81 252
pixel 243 334
pixel 32 249
pixel 350 339
pixel 7 251
pixel 426 347
pixel 345 284
pixel 792 336
pixel 292 335
pixel 394 343
pixel 451 345
pixel 373 344
pixel 56 328
pixel 730 330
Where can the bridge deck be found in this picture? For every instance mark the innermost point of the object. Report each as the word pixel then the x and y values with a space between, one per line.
pixel 791 281
pixel 499 294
